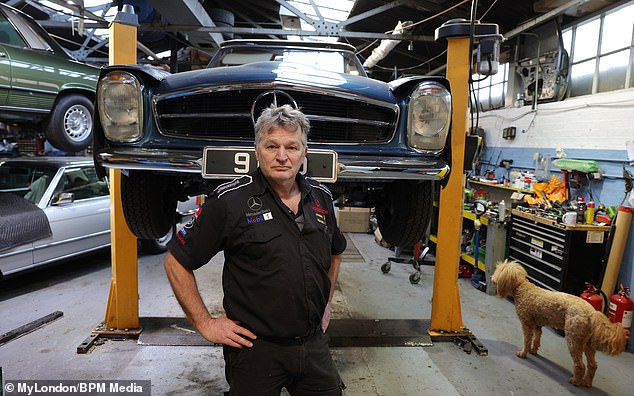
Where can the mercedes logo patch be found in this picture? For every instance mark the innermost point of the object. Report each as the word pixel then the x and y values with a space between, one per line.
pixel 254 203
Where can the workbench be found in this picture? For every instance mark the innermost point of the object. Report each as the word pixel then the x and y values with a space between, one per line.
pixel 497 192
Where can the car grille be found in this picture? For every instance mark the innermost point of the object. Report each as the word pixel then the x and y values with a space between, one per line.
pixel 226 115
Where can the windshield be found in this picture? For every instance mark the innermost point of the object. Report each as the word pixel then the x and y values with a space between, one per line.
pixel 334 61
pixel 27 181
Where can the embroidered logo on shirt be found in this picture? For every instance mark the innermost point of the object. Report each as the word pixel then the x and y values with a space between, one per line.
pixel 259 217
pixel 320 218
pixel 317 208
pixel 182 233
pixel 254 203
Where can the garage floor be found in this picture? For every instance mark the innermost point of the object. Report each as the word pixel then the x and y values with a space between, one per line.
pixel 79 289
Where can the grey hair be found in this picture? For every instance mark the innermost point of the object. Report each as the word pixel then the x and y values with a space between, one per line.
pixel 283 116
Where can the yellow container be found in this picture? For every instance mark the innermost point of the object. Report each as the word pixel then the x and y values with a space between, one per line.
pixel 590 213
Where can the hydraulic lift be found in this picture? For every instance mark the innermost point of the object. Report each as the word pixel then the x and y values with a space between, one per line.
pixel 122 313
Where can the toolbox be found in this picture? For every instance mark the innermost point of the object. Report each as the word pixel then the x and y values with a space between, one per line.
pixel 557 256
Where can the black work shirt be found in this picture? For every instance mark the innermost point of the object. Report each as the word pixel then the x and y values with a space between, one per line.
pixel 275 276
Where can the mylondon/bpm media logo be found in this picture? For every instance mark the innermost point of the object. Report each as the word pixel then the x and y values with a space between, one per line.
pixel 76 387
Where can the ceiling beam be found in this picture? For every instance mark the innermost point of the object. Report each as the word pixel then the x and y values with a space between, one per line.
pixel 424 6
pixel 285 32
pixel 253 23
pixel 543 18
pixel 295 11
pixel 189 12
pixel 372 12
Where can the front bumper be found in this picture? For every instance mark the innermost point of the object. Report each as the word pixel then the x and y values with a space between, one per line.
pixel 350 167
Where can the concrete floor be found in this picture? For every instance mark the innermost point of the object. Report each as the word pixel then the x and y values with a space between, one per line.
pixel 80 290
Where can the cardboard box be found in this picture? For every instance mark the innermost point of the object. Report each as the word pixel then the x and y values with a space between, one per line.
pixel 353 219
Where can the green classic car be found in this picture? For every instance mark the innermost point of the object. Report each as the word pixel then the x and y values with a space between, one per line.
pixel 42 88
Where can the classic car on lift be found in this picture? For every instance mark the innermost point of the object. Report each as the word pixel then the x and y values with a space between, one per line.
pixel 43 90
pixel 379 144
pixel 55 208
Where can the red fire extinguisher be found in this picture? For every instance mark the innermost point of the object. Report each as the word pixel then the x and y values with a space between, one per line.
pixel 621 307
pixel 594 296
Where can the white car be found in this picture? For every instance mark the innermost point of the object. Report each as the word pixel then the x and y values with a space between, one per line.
pixel 54 208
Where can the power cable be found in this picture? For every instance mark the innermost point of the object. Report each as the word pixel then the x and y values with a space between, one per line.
pixel 413 25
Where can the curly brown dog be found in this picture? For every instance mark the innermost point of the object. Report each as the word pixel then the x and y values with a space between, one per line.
pixel 587 330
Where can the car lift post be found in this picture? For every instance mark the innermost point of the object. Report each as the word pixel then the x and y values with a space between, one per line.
pixel 122 312
pixel 446 316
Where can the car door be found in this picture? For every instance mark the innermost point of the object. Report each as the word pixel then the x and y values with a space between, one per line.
pixel 79 216
pixel 9 38
pixel 34 75
pixel 5 75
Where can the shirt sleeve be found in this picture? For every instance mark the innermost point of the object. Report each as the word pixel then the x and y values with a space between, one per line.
pixel 200 239
pixel 339 243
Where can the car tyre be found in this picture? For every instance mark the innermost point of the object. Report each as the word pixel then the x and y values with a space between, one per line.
pixel 70 126
pixel 405 213
pixel 157 246
pixel 148 207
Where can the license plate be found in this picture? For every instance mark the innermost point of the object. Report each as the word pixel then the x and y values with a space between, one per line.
pixel 230 162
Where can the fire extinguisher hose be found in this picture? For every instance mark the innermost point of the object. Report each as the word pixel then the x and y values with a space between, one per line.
pixel 606 303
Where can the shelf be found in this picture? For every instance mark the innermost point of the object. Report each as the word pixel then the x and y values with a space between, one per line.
pixel 479 183
pixel 484 220
pixel 471 260
pixel 463 256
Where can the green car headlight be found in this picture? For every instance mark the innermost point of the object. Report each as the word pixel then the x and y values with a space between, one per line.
pixel 120 106
pixel 429 116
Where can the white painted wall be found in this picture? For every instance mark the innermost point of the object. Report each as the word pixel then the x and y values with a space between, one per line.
pixel 599 121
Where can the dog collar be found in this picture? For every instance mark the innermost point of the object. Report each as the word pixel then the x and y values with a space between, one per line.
pixel 520 283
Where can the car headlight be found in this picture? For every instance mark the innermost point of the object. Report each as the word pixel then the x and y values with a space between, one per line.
pixel 429 116
pixel 120 106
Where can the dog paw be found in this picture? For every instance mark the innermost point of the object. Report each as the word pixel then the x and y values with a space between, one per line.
pixel 577 382
pixel 521 354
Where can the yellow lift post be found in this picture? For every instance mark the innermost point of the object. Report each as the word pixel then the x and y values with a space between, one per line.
pixel 446 315
pixel 122 312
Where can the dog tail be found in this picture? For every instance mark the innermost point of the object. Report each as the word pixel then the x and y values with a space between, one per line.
pixel 608 337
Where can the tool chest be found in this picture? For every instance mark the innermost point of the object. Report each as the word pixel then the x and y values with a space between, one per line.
pixel 557 256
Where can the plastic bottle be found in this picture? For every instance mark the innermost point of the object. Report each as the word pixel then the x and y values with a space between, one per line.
pixel 581 210
pixel 590 213
pixel 502 211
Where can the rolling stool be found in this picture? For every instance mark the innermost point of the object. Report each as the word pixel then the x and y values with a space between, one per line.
pixel 417 258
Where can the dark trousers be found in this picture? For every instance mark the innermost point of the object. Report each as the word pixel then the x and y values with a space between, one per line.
pixel 303 366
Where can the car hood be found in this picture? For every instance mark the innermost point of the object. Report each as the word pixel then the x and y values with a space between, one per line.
pixel 284 73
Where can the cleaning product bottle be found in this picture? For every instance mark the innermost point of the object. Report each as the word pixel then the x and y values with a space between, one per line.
pixel 502 211
pixel 590 213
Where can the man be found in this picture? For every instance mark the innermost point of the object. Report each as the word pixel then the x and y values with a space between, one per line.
pixel 282 251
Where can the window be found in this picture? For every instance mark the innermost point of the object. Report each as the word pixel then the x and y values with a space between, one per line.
pixel 82 183
pixel 601 52
pixel 8 35
pixel 491 91
pixel 28 181
pixel 30 32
